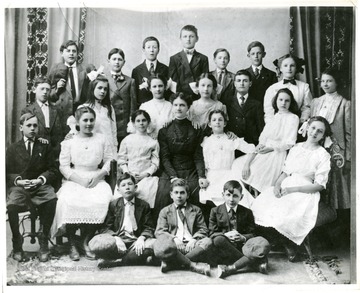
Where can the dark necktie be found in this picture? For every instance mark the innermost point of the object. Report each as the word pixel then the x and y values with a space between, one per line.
pixel 152 69
pixel 232 218
pixel 189 52
pixel 116 76
pixel 181 214
pixel 292 81
pixel 256 73
pixel 242 101
pixel 72 83
pixel 220 77
pixel 28 146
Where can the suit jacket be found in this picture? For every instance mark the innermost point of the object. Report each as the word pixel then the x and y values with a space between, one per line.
pixel 64 99
pixel 260 84
pixel 123 99
pixel 19 163
pixel 56 132
pixel 246 121
pixel 219 221
pixel 227 83
pixel 115 218
pixel 340 122
pixel 183 73
pixel 167 221
pixel 141 71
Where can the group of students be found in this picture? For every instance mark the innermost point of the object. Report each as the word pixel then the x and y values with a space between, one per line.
pixel 203 147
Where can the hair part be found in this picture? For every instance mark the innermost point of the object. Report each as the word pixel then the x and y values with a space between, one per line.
pixel 328 131
pixel 138 113
pixel 182 183
pixel 116 51
pixel 25 117
pixel 190 28
pixel 151 38
pixel 67 44
pixel 186 98
pixel 207 75
pixel 231 185
pixel 255 44
pixel 293 108
pixel 243 72
pixel 158 76
pixel 125 176
pixel 41 79
pixel 221 112
pixel 217 51
pixel 106 102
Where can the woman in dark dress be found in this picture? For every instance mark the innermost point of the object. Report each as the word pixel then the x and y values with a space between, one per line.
pixel 180 155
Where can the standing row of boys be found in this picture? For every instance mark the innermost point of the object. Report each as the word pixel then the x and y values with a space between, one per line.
pixel 204 103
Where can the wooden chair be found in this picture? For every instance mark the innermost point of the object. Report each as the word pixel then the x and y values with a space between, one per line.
pixel 110 179
pixel 326 215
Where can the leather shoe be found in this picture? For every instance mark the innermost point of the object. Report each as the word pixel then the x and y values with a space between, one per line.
pixel 164 267
pixel 224 271
pixel 200 268
pixel 44 253
pixel 44 256
pixel 263 266
pixel 19 256
pixel 74 253
pixel 291 253
pixel 105 264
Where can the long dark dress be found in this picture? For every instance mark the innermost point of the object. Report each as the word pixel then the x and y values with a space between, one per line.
pixel 180 156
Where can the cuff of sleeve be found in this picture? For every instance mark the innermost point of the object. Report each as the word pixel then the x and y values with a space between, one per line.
pixel 43 178
pixel 16 179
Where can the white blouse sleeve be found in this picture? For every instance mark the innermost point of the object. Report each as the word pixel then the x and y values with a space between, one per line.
pixel 289 136
pixel 113 127
pixel 289 159
pixel 123 156
pixel 322 170
pixel 155 160
pixel 268 108
pixel 305 107
pixel 107 155
pixel 65 159
pixel 243 146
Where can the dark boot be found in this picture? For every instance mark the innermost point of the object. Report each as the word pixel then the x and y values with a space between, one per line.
pixel 18 253
pixel 74 253
pixel 44 253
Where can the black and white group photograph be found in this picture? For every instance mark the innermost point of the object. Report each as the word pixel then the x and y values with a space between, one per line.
pixel 190 143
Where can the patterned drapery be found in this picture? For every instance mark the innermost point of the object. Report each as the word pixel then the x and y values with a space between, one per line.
pixel 81 40
pixel 37 48
pixel 324 36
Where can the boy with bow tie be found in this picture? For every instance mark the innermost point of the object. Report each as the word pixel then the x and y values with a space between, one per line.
pixel 181 233
pixel 127 236
pixel 186 66
pixel 232 230
pixel 50 120
pixel 30 171
pixel 151 66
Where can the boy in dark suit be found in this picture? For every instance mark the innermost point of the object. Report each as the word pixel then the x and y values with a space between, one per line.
pixel 151 66
pixel 181 233
pixel 128 234
pixel 232 230
pixel 261 77
pixel 69 87
pixel 50 122
pixel 246 117
pixel 30 171
pixel 187 65
pixel 224 77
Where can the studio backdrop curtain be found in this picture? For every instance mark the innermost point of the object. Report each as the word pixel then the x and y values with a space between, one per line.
pixel 32 41
pixel 324 37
